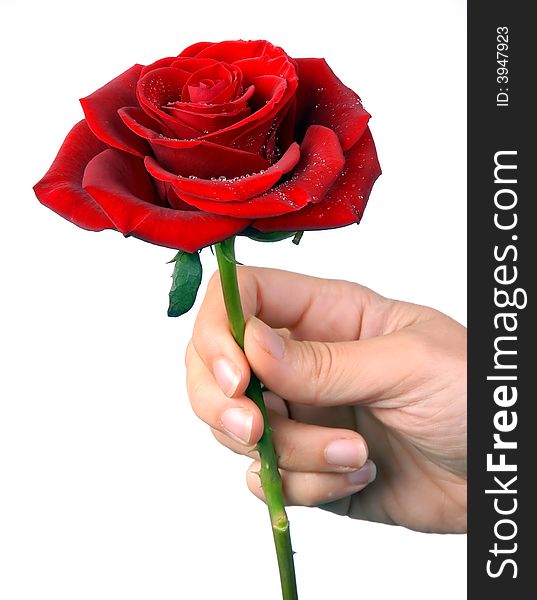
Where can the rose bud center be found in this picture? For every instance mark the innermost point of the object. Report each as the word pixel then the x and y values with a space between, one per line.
pixel 205 90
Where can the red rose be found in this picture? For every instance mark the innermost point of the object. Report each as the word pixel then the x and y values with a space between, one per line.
pixel 226 137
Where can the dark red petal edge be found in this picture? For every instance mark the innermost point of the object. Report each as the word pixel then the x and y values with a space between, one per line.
pixel 100 110
pixel 324 100
pixel 61 188
pixel 345 202
pixel 123 188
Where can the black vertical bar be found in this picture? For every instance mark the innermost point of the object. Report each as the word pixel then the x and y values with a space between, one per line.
pixel 502 230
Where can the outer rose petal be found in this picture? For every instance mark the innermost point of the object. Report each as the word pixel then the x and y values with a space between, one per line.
pixel 158 64
pixel 195 49
pixel 321 161
pixel 253 67
pixel 235 189
pixel 123 188
pixel 345 202
pixel 324 100
pixel 232 50
pixel 172 61
pixel 61 188
pixel 100 109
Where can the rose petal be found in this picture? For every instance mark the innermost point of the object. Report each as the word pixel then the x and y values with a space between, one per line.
pixel 222 77
pixel 100 110
pixel 186 64
pixel 324 100
pixel 192 64
pixel 225 94
pixel 158 64
pixel 208 123
pixel 61 188
pixel 205 91
pixel 251 133
pixel 139 122
pixel 158 88
pixel 345 202
pixel 233 50
pixel 121 185
pixel 281 66
pixel 269 90
pixel 160 93
pixel 205 160
pixel 236 105
pixel 245 131
pixel 173 199
pixel 274 92
pixel 321 161
pixel 262 137
pixel 196 48
pixel 236 189
pixel 284 133
pixel 193 157
pixel 161 86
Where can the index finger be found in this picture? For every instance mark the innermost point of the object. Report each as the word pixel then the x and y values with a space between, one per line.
pixel 311 308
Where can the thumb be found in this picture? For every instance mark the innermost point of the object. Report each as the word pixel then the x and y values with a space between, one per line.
pixel 333 373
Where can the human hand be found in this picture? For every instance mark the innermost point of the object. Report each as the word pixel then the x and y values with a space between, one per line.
pixel 361 386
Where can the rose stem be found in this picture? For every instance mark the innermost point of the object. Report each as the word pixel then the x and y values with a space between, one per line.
pixel 270 476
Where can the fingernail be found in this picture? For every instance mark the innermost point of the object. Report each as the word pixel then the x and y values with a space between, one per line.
pixel 364 475
pixel 238 424
pixel 267 338
pixel 227 375
pixel 346 453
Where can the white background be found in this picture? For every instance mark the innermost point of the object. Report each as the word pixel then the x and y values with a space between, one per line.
pixel 110 487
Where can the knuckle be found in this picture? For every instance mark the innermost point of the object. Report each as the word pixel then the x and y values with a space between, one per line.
pixel 419 348
pixel 321 363
pixel 289 458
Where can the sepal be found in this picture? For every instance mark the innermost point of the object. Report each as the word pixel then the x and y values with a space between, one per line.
pixel 273 236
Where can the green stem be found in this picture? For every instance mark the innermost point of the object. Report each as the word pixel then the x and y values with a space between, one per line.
pixel 270 476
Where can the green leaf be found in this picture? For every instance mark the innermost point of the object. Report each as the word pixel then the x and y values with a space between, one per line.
pixel 186 280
